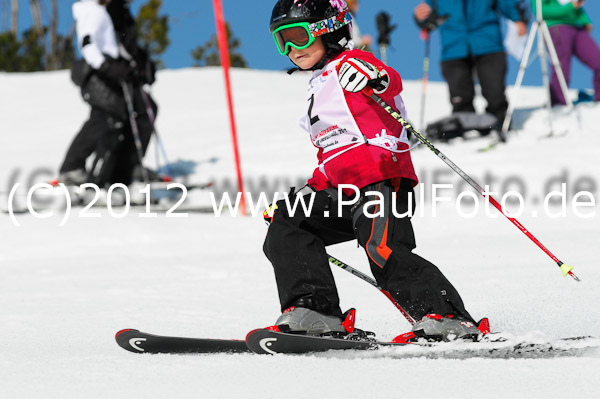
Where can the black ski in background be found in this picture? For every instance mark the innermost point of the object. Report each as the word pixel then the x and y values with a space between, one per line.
pixel 139 342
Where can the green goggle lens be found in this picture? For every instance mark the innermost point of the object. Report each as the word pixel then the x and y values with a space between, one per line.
pixel 293 35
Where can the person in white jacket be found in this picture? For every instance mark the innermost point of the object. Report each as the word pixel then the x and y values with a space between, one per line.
pixel 107 64
pixel 95 32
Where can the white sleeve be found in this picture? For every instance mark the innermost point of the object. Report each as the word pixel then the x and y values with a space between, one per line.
pixel 92 55
pixel 95 33
pixel 88 27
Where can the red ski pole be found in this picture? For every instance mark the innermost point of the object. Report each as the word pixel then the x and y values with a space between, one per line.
pixel 368 91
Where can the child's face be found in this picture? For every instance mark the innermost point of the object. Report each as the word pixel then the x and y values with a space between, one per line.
pixel 308 57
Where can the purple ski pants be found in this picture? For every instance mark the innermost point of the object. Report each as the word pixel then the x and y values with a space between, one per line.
pixel 572 41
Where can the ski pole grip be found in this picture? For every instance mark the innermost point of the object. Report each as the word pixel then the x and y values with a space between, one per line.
pixel 367 91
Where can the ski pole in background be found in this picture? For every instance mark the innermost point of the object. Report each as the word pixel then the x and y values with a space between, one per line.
pixel 368 91
pixel 426 36
pixel 134 129
pixel 428 25
pixel 384 28
pixel 371 281
pixel 159 141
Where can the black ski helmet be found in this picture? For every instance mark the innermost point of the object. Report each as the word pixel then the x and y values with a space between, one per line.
pixel 292 11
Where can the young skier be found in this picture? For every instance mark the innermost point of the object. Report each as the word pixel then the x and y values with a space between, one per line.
pixel 359 144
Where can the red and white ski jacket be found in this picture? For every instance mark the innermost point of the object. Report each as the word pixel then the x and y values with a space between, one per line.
pixel 354 135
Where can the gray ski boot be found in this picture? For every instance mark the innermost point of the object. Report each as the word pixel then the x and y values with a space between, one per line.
pixel 437 328
pixel 434 327
pixel 310 322
pixel 75 177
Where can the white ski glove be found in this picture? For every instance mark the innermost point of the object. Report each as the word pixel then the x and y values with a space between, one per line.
pixel 354 74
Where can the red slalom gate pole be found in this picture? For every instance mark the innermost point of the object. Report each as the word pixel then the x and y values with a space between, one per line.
pixel 224 55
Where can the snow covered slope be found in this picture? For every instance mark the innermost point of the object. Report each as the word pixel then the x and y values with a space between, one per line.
pixel 65 291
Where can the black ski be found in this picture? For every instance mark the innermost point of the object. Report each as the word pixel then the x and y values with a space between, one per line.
pixel 140 342
pixel 264 341
pixel 493 346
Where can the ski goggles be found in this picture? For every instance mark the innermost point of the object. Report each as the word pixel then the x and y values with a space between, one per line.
pixel 301 35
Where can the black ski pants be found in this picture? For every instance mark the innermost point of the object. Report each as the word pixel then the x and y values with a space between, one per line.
pixel 295 245
pixel 490 69
pixel 86 141
pixel 113 143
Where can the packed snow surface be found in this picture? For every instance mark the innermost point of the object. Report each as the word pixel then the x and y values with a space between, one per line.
pixel 65 291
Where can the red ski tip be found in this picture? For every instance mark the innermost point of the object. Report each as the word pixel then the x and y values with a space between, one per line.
pixel 122 331
pixel 256 329
pixel 54 182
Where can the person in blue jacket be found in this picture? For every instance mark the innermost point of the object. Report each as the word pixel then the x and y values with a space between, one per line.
pixel 472 44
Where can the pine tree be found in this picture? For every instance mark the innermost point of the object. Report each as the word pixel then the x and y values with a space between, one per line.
pixel 153 30
pixel 9 52
pixel 208 54
pixel 31 54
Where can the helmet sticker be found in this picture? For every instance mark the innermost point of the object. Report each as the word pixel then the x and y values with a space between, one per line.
pixel 339 4
pixel 330 25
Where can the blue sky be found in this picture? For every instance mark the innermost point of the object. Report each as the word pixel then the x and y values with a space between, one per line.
pixel 192 24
